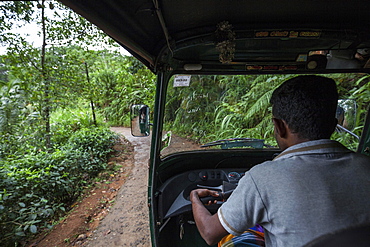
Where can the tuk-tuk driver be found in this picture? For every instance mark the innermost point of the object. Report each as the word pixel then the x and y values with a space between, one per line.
pixel 314 187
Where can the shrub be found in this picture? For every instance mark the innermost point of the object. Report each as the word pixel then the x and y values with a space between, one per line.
pixel 68 121
pixel 39 186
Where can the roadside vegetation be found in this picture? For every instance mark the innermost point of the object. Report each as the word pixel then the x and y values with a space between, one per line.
pixel 220 107
pixel 57 103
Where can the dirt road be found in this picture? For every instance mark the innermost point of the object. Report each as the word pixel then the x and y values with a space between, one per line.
pixel 114 212
pixel 127 223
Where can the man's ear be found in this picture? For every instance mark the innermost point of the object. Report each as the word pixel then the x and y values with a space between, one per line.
pixel 335 122
pixel 280 127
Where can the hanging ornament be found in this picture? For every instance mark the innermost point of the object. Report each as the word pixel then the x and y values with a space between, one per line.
pixel 225 42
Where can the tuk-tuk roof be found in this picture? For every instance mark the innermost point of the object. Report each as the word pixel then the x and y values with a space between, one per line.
pixel 229 34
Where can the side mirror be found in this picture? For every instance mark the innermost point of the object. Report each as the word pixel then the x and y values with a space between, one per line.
pixel 346 116
pixel 140 120
pixel 346 113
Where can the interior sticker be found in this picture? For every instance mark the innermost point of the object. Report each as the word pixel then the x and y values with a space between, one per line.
pixel 302 58
pixel 181 81
pixel 287 34
pixel 313 34
pixel 272 67
pixel 254 67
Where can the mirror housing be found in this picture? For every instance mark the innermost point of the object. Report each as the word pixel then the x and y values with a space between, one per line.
pixel 346 113
pixel 346 116
pixel 338 59
pixel 140 120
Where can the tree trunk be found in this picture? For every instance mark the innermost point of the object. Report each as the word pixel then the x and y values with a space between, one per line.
pixel 91 101
pixel 46 82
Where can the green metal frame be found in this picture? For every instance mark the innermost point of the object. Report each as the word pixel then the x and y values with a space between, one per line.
pixel 364 146
pixel 162 82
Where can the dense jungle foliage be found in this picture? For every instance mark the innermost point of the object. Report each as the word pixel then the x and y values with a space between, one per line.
pixel 57 103
pixel 224 106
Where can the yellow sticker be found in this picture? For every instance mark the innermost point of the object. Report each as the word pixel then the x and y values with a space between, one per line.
pixel 272 67
pixel 287 34
pixel 310 34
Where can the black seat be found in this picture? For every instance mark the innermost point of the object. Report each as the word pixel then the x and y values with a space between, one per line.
pixel 358 236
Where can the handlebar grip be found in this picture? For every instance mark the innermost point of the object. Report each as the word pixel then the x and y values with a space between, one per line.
pixel 207 199
pixel 222 197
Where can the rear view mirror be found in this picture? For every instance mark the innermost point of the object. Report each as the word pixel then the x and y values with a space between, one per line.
pixel 140 120
pixel 338 59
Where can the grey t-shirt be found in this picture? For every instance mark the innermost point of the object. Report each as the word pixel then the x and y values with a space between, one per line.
pixel 310 189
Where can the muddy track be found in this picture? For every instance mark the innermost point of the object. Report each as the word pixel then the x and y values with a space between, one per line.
pixel 127 223
pixel 113 212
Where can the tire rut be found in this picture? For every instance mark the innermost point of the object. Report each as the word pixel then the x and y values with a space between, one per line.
pixel 127 223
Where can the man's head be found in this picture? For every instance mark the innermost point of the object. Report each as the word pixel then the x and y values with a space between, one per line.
pixel 307 106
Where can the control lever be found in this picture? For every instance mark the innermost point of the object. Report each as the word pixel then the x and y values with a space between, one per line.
pixel 225 186
pixel 222 197
pixel 182 204
pixel 182 231
pixel 211 187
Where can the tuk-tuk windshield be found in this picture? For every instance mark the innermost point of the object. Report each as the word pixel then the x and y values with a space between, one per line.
pixel 233 111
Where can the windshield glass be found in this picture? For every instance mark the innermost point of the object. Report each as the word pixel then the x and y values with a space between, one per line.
pixel 202 109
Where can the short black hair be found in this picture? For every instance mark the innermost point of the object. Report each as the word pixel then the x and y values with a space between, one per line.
pixel 308 105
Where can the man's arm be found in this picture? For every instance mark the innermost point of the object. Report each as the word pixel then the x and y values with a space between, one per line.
pixel 209 226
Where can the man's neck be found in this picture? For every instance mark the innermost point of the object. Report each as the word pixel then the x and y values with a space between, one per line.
pixel 291 140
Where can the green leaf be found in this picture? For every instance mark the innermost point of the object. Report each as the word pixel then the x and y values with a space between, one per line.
pixel 21 234
pixel 22 210
pixel 33 229
pixel 22 204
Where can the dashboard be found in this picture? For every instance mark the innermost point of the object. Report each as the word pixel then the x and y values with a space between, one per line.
pixel 179 174
pixel 173 195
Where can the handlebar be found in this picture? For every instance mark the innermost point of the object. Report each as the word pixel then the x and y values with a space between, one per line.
pixel 222 197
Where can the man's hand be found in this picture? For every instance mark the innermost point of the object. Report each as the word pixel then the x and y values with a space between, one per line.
pixel 199 193
pixel 208 225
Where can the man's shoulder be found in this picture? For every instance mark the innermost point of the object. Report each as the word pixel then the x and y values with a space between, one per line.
pixel 363 158
pixel 267 167
pixel 290 163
